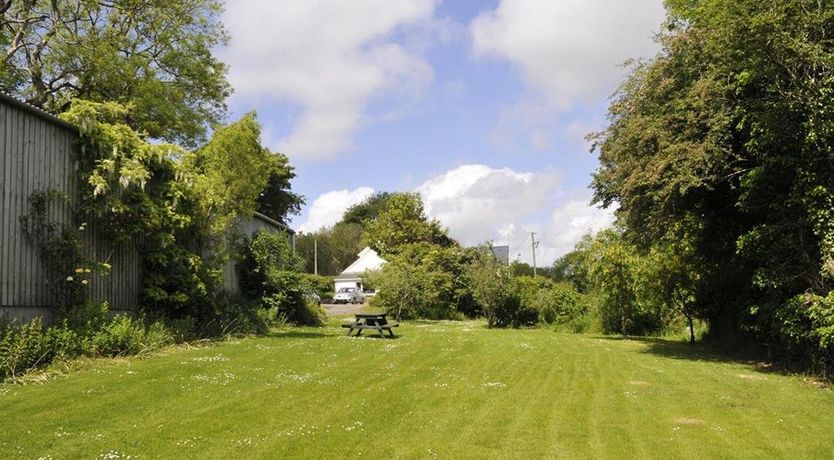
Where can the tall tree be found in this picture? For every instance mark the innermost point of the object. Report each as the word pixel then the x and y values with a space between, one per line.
pixel 368 210
pixel 403 221
pixel 153 56
pixel 277 200
pixel 337 248
pixel 727 136
pixel 230 173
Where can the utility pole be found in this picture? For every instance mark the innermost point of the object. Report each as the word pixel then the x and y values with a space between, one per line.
pixel 534 244
pixel 509 234
pixel 315 256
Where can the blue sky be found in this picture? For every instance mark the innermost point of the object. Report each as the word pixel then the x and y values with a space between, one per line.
pixel 481 106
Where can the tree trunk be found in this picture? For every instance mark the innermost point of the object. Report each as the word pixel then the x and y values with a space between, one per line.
pixel 691 329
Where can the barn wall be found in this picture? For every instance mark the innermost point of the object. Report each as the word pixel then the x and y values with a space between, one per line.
pixel 248 227
pixel 38 152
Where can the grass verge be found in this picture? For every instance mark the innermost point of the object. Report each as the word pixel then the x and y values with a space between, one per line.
pixel 442 389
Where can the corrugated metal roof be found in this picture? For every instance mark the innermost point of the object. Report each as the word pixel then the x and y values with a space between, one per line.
pixel 11 100
pixel 272 221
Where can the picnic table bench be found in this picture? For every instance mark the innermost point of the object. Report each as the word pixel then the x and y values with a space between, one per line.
pixel 376 321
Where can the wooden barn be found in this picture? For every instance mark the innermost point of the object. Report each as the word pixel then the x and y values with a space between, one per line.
pixel 38 152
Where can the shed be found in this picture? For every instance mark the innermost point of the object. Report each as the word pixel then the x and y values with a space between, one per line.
pixel 249 226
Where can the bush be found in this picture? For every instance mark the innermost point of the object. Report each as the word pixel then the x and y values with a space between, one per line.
pixel 126 335
pixel 65 342
pixel 321 285
pixel 121 336
pixel 23 348
pixel 270 278
pixel 267 319
pixel 30 346
pixel 313 314
pixel 297 311
pixel 559 304
pixel 801 332
pixel 86 316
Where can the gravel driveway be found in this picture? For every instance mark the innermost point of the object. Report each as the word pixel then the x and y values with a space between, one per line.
pixel 342 309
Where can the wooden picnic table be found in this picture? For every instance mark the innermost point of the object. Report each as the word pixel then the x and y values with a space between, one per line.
pixel 375 321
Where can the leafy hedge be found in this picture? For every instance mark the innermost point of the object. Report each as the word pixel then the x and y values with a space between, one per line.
pixel 92 332
pixel 271 278
pixel 30 346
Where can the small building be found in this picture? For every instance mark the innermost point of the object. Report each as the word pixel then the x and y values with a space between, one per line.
pixel 249 227
pixel 352 276
pixel 502 253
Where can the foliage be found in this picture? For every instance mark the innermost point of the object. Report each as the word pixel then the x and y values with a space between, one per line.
pixel 59 248
pixel 337 247
pixel 612 267
pixel 801 332
pixel 518 268
pixel 29 346
pixel 271 250
pixel 136 190
pixel 665 282
pixel 491 286
pixel 125 335
pixel 154 57
pixel 321 285
pixel 408 291
pixel 546 302
pixel 23 348
pixel 277 200
pixel 425 281
pixel 229 173
pixel 403 221
pixel 572 266
pixel 369 209
pixel 725 140
pixel 181 207
pixel 270 276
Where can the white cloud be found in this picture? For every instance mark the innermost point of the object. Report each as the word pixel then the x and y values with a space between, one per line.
pixel 478 203
pixel 475 201
pixel 327 56
pixel 329 207
pixel 568 223
pixel 569 50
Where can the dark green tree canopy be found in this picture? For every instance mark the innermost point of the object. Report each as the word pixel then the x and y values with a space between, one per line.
pixel 367 210
pixel 153 56
pixel 724 141
pixel 278 201
pixel 403 221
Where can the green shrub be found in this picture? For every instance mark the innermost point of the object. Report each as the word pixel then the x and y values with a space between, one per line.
pixel 157 336
pixel 294 309
pixel 321 285
pixel 85 316
pixel 557 304
pixel 65 342
pixel 801 332
pixel 121 336
pixel 270 277
pixel 23 348
pixel 267 319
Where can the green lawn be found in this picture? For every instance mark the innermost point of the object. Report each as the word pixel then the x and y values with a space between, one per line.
pixel 441 390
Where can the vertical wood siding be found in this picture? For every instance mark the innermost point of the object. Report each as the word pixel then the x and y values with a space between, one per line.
pixel 37 153
pixel 248 227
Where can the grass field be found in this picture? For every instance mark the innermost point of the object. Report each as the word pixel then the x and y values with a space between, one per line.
pixel 441 390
